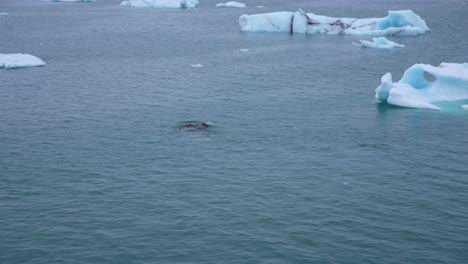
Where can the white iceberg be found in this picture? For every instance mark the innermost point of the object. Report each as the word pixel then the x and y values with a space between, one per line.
pixel 161 3
pixel 379 43
pixel 231 4
pixel 422 85
pixel 400 23
pixel 18 60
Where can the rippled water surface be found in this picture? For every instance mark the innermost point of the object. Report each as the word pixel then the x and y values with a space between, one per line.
pixel 301 165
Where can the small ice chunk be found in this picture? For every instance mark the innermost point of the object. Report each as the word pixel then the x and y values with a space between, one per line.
pixel 18 60
pixel 465 107
pixel 231 4
pixel 260 6
pixel 198 65
pixel 423 85
pixel 244 50
pixel 161 3
pixel 3 14
pixel 379 43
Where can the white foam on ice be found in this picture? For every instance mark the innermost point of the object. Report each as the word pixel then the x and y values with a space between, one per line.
pixel 400 23
pixel 161 3
pixel 423 85
pixel 231 4
pixel 18 60
pixel 379 43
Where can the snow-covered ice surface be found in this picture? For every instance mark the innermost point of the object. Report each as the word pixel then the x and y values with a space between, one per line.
pixel 161 3
pixel 379 43
pixel 423 85
pixel 18 60
pixel 400 23
pixel 231 4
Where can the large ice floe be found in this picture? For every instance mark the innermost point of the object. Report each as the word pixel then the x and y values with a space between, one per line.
pixel 423 85
pixel 231 4
pixel 18 60
pixel 400 23
pixel 379 43
pixel 161 3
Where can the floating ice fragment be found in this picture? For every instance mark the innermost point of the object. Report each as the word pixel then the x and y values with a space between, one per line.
pixel 422 85
pixel 161 3
pixel 465 107
pixel 270 22
pixel 197 65
pixel 18 60
pixel 231 4
pixel 401 23
pixel 244 50
pixel 3 14
pixel 379 43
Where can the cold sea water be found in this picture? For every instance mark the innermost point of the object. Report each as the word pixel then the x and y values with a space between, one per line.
pixel 301 165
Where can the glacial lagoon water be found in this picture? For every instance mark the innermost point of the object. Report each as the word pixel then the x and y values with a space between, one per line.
pixel 301 165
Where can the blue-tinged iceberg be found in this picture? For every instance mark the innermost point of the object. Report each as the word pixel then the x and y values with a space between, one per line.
pixel 379 43
pixel 161 3
pixel 231 4
pixel 423 85
pixel 400 23
pixel 18 60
